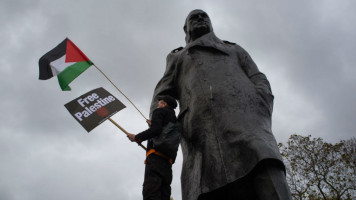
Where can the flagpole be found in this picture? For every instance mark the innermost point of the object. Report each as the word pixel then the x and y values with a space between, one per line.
pixel 123 130
pixel 120 91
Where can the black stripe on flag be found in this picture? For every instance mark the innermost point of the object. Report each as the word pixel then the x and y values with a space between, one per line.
pixel 56 53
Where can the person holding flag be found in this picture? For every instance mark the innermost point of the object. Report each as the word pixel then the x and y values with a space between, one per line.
pixel 158 170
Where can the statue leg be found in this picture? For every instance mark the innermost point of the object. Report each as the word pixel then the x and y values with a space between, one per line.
pixel 241 189
pixel 265 182
pixel 270 183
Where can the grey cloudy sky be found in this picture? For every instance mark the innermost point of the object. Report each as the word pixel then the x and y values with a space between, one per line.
pixel 306 49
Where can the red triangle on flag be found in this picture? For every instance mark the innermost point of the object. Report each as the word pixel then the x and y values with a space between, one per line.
pixel 74 54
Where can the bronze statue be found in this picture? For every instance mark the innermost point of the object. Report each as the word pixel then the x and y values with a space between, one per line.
pixel 225 111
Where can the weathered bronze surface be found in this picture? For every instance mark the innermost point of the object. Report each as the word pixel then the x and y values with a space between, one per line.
pixel 225 108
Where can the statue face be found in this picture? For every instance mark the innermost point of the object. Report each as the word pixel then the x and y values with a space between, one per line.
pixel 198 23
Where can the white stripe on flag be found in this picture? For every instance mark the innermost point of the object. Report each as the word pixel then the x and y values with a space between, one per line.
pixel 59 65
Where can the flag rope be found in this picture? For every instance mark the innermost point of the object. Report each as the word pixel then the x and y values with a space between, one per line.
pixel 120 91
pixel 123 130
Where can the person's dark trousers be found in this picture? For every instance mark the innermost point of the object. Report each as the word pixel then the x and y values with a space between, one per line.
pixel 158 178
pixel 265 182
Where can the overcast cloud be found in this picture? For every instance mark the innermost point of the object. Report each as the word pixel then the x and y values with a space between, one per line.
pixel 306 49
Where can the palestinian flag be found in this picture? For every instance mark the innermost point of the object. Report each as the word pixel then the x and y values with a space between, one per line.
pixel 66 61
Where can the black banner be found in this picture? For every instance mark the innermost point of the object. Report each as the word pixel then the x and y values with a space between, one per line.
pixel 94 107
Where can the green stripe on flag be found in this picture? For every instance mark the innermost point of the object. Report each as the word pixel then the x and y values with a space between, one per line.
pixel 72 72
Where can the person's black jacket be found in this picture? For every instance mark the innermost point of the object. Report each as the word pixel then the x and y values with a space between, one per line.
pixel 160 118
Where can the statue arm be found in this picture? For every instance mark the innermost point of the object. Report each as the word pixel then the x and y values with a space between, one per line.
pixel 252 71
pixel 166 86
pixel 248 64
pixel 258 79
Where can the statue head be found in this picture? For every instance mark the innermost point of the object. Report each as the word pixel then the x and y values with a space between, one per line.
pixel 196 25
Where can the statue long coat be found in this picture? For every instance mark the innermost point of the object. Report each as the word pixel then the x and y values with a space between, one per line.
pixel 225 110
